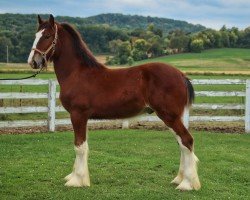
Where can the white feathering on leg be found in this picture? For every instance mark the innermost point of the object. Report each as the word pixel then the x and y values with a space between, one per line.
pixel 190 177
pixel 177 180
pixel 80 175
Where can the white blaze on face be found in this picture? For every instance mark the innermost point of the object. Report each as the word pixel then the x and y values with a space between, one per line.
pixel 39 34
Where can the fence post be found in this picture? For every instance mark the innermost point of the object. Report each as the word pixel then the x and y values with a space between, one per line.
pixel 52 105
pixel 186 117
pixel 247 108
pixel 125 124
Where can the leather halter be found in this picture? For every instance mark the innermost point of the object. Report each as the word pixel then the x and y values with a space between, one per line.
pixel 52 46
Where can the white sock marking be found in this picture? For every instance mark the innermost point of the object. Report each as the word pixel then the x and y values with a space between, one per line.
pixel 80 175
pixel 188 168
pixel 81 164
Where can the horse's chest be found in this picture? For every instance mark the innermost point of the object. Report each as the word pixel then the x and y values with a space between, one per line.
pixel 72 98
pixel 65 100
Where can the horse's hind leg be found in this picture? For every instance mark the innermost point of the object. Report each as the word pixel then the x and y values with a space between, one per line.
pixel 80 174
pixel 187 177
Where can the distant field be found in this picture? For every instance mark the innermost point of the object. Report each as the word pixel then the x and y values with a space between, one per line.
pixel 215 61
pixel 25 68
pixel 229 61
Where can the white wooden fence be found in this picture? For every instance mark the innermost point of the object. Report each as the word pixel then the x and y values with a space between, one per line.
pixel 52 95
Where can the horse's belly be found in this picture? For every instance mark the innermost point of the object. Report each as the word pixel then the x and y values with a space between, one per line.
pixel 118 110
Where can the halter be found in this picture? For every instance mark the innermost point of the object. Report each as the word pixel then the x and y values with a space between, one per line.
pixel 52 46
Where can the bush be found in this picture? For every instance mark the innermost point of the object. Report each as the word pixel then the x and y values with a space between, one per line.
pixel 139 55
pixel 168 52
pixel 197 45
pixel 130 60
pixel 113 61
pixel 123 59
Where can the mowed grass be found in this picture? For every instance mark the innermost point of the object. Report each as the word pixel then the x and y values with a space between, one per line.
pixel 227 60
pixel 124 164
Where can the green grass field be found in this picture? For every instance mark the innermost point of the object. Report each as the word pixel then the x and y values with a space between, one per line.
pixel 216 60
pixel 124 164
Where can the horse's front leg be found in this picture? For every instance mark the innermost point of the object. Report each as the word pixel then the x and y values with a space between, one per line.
pixel 80 174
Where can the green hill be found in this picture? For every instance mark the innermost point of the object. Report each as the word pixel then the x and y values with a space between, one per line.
pixel 137 21
pixel 225 60
pixel 10 22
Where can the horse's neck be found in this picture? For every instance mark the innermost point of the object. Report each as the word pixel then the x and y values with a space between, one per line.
pixel 64 67
pixel 66 63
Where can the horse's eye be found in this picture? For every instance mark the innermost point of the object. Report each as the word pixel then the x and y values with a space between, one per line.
pixel 47 36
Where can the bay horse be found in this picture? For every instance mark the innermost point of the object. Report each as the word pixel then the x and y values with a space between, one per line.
pixel 90 90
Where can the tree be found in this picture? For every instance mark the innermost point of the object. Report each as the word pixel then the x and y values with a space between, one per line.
pixel 218 40
pixel 4 42
pixel 158 32
pixel 204 37
pixel 223 28
pixel 225 39
pixel 140 49
pixel 179 42
pixel 244 38
pixel 114 45
pixel 156 47
pixel 130 61
pixel 151 27
pixel 122 55
pixel 232 39
pixel 99 36
pixel 197 45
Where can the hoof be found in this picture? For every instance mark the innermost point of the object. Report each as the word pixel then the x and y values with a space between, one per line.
pixel 68 177
pixel 77 181
pixel 196 184
pixel 177 180
pixel 185 185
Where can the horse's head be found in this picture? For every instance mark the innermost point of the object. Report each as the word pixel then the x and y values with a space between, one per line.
pixel 45 43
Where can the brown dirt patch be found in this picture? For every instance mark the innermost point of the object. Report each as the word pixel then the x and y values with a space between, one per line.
pixel 218 127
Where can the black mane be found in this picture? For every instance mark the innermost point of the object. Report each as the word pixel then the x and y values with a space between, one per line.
pixel 81 48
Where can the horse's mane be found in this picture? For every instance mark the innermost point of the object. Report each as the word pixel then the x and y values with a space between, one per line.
pixel 81 48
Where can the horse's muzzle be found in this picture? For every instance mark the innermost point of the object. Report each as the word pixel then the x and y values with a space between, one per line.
pixel 37 62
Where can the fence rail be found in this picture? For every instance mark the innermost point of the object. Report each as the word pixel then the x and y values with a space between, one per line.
pixel 52 95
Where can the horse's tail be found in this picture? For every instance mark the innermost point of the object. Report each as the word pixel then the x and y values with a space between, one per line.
pixel 190 92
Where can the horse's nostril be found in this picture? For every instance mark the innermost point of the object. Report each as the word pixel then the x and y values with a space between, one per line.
pixel 34 64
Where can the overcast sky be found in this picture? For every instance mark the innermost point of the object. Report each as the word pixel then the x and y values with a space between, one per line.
pixel 210 13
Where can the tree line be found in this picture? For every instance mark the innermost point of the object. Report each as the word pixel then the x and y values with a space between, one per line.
pixel 143 44
pixel 125 44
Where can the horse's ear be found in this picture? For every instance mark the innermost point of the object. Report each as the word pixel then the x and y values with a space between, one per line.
pixel 51 20
pixel 40 21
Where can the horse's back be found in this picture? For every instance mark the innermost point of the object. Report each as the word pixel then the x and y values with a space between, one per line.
pixel 152 78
